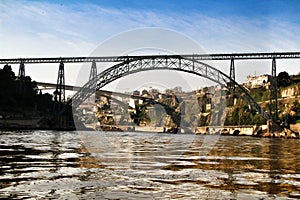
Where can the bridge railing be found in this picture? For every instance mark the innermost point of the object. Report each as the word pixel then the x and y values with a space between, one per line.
pixel 237 56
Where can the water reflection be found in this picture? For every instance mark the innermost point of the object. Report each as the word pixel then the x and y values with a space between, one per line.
pixel 49 164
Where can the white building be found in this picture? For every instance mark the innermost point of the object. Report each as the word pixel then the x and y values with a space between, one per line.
pixel 258 81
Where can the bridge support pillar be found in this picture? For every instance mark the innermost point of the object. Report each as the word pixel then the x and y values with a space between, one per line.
pixel 60 86
pixel 232 73
pixel 21 70
pixel 273 93
pixel 273 127
pixel 93 72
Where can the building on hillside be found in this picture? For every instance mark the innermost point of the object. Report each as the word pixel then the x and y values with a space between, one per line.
pixel 258 81
pixel 136 93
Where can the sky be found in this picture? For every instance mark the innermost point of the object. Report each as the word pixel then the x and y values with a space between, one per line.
pixel 76 28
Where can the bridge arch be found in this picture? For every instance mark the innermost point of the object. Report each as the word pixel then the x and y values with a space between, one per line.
pixel 166 62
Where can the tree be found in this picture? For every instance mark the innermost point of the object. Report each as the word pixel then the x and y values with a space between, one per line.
pixel 283 79
pixel 7 69
pixel 7 86
pixel 145 92
pixel 296 107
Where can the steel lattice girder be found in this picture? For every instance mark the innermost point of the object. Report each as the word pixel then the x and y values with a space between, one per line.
pixel 118 59
pixel 162 63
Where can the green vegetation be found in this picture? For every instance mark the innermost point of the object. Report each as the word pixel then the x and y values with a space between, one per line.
pixel 15 92
pixel 291 114
pixel 204 111
pixel 283 79
pixel 20 99
pixel 242 114
pixel 21 93
pixel 260 94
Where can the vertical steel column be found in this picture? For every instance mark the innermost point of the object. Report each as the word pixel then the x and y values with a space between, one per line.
pixel 232 74
pixel 273 93
pixel 93 75
pixel 21 70
pixel 93 72
pixel 60 86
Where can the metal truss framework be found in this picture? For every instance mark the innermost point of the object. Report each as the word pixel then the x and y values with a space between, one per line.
pixel 235 56
pixel 146 63
pixel 273 93
pixel 21 70
pixel 108 94
pixel 232 73
pixel 60 86
pixel 194 57
pixel 113 95
pixel 121 103
pixel 93 72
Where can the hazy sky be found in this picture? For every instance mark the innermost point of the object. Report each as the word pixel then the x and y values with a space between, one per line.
pixel 76 28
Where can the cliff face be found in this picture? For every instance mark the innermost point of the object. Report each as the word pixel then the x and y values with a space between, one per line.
pixel 291 91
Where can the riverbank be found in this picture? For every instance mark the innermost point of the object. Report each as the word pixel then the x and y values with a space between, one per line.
pixel 64 124
pixel 243 130
pixel 251 130
pixel 34 121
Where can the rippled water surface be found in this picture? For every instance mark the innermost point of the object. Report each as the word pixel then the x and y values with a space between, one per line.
pixel 112 165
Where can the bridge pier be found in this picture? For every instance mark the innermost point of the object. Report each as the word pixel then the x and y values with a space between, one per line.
pixel 232 73
pixel 273 127
pixel 21 70
pixel 273 93
pixel 93 72
pixel 60 86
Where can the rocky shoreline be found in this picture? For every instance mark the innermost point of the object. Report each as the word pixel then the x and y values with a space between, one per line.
pixel 286 133
pixel 63 123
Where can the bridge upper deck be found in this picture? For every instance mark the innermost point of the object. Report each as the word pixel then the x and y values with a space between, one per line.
pixel 236 56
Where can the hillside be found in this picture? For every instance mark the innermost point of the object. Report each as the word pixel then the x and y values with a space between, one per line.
pixel 23 106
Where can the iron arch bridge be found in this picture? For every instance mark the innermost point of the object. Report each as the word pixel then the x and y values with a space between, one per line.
pixel 170 62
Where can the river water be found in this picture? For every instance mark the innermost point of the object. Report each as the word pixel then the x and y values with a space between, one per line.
pixel 120 165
